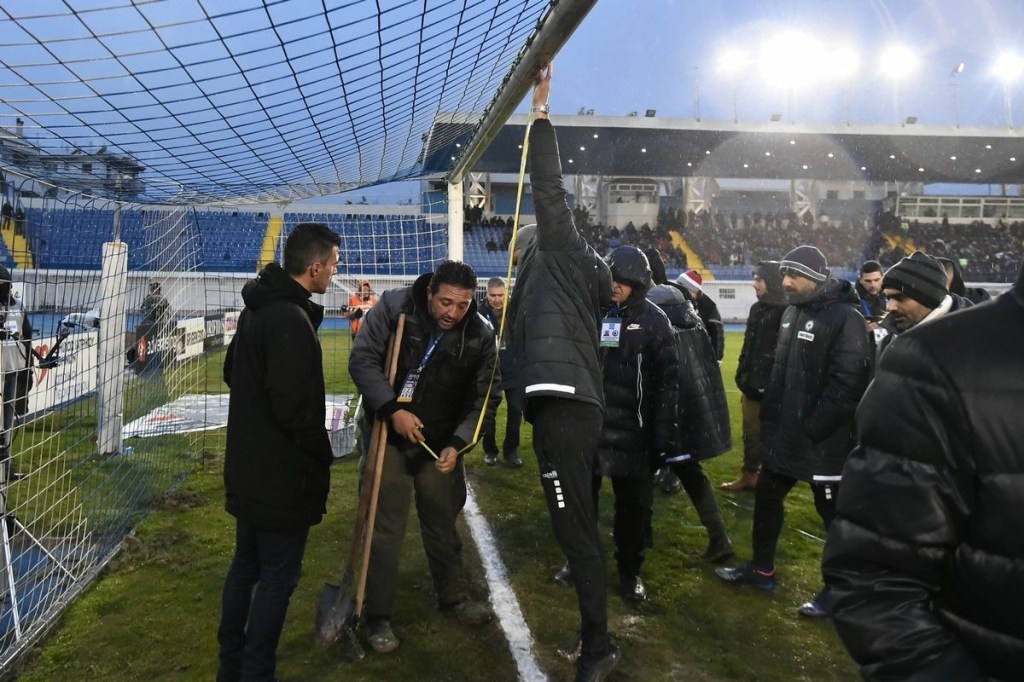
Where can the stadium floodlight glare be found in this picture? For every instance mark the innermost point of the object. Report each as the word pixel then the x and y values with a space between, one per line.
pixel 898 62
pixel 841 63
pixel 1008 67
pixel 790 59
pixel 731 61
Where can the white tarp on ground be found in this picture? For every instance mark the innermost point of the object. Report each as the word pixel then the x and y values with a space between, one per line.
pixel 191 413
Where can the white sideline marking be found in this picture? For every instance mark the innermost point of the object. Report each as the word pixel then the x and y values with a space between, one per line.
pixel 503 597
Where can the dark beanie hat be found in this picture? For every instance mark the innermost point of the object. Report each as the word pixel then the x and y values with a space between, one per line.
pixel 806 261
pixel 920 277
pixel 658 275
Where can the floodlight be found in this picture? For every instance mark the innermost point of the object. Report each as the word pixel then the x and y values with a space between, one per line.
pixel 898 62
pixel 1008 67
pixel 731 61
pixel 784 58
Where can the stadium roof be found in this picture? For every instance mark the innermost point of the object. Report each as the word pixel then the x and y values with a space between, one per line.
pixel 664 148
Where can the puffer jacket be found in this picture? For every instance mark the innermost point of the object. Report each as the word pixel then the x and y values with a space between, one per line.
pixel 641 379
pixel 276 467
pixel 758 352
pixel 926 554
pixel 454 384
pixel 822 366
pixel 559 293
pixel 703 409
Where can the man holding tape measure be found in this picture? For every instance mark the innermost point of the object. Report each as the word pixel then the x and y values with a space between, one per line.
pixel 446 363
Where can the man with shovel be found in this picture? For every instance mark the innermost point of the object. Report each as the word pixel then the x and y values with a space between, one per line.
pixel 446 357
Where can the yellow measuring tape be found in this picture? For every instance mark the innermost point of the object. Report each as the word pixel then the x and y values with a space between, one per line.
pixel 508 289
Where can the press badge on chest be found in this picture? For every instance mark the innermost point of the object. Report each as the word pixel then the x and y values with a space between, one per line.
pixel 611 330
pixel 409 386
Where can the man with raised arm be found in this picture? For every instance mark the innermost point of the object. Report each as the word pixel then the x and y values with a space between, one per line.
pixel 557 310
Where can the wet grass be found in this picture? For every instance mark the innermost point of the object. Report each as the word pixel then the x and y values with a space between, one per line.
pixel 153 615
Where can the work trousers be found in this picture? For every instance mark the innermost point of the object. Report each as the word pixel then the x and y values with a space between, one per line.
pixel 565 438
pixel 259 584
pixel 408 471
pixel 769 512
pixel 751 434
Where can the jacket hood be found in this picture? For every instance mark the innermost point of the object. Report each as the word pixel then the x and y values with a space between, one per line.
pixel 831 292
pixel 629 265
pixel 658 274
pixel 272 284
pixel 768 270
pixel 675 305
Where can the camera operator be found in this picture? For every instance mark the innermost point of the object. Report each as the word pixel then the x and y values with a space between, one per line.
pixel 15 357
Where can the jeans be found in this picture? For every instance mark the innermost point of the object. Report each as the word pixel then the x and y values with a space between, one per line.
pixel 259 584
pixel 565 438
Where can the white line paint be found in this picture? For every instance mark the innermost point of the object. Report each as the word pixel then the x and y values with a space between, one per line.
pixel 503 597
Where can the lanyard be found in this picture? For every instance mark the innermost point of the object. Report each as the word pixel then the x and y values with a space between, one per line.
pixel 430 351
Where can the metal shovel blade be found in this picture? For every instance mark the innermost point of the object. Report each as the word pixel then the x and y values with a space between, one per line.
pixel 334 611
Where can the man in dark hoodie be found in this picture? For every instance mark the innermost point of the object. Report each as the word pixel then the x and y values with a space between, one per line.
pixel 445 366
pixel 556 309
pixel 276 467
pixel 755 365
pixel 821 369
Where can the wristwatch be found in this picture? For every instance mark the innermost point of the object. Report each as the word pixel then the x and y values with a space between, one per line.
pixel 542 109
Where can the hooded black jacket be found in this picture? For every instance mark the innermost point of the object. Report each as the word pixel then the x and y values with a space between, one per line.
pixel 926 554
pixel 452 389
pixel 276 468
pixel 821 368
pixel 760 338
pixel 559 294
pixel 641 381
pixel 703 409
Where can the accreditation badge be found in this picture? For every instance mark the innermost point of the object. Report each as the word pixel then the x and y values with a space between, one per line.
pixel 409 386
pixel 611 331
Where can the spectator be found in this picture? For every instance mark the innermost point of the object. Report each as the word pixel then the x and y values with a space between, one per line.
pixel 492 311
pixel 692 281
pixel 359 304
pixel 869 289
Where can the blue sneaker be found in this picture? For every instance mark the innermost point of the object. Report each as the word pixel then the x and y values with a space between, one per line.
pixel 748 575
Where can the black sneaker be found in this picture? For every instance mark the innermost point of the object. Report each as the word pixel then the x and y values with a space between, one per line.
pixel 469 612
pixel 564 575
pixel 513 459
pixel 748 575
pixel 718 551
pixel 819 607
pixel 596 668
pixel 633 589
pixel 671 485
pixel 490 458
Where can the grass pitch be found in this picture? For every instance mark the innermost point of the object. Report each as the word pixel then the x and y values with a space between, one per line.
pixel 153 615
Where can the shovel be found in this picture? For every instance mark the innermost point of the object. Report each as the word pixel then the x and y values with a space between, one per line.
pixel 338 612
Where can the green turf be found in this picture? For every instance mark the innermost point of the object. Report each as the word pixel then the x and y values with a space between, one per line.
pixel 153 614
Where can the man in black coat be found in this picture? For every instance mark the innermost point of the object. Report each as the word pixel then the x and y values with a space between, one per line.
pixel 869 290
pixel 641 384
pixel 821 368
pixel 926 554
pixel 445 367
pixel 693 285
pixel 556 306
pixel 755 366
pixel 276 467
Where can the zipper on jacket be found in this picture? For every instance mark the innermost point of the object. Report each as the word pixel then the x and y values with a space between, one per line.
pixel 640 389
